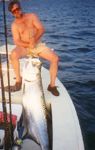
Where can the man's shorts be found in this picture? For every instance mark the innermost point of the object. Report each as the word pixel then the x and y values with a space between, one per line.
pixel 38 49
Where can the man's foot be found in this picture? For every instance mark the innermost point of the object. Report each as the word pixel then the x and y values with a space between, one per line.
pixel 53 90
pixel 14 88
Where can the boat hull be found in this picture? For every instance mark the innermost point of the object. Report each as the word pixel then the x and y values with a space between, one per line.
pixel 65 123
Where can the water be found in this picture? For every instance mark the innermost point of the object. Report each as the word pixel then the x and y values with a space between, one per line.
pixel 70 30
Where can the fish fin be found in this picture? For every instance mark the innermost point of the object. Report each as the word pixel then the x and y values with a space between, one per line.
pixel 28 136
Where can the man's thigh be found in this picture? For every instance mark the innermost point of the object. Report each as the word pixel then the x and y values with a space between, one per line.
pixel 48 54
pixel 20 51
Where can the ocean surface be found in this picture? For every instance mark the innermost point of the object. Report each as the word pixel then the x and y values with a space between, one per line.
pixel 70 31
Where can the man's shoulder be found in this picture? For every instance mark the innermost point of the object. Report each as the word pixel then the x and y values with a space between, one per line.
pixel 14 23
pixel 30 15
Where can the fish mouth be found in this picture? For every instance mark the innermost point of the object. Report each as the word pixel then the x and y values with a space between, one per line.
pixel 36 62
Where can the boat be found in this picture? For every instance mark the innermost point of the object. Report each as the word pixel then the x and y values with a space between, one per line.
pixel 66 130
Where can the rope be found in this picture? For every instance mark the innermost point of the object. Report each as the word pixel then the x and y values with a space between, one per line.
pixel 8 75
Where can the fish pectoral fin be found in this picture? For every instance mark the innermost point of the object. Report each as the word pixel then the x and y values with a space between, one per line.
pixel 33 138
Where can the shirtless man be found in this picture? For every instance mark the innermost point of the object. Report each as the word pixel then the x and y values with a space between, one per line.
pixel 27 30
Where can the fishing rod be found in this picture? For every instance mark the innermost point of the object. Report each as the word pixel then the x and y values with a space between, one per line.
pixel 5 125
pixel 8 75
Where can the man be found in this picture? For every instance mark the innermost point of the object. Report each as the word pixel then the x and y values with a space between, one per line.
pixel 27 30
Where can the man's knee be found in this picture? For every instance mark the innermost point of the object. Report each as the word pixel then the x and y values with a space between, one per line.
pixel 13 55
pixel 55 58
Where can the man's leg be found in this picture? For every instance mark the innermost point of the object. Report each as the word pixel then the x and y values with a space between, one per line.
pixel 16 67
pixel 50 55
pixel 16 54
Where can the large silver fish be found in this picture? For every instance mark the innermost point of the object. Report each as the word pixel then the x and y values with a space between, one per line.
pixel 34 103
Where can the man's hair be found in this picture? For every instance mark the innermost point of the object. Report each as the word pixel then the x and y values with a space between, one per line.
pixel 13 2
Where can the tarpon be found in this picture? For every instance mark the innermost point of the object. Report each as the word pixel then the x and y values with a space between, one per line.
pixel 34 103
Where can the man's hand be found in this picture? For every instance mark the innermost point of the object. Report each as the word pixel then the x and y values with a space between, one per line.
pixel 32 43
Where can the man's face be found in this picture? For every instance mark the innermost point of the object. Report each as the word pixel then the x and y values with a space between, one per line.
pixel 16 11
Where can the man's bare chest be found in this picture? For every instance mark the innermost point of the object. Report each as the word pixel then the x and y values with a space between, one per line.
pixel 25 27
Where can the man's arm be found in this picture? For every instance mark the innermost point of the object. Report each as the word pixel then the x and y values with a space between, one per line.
pixel 16 37
pixel 39 27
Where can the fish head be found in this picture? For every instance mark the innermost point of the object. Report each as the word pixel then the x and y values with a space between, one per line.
pixel 36 63
pixel 32 69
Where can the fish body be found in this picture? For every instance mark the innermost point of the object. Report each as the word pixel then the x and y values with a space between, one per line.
pixel 34 103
